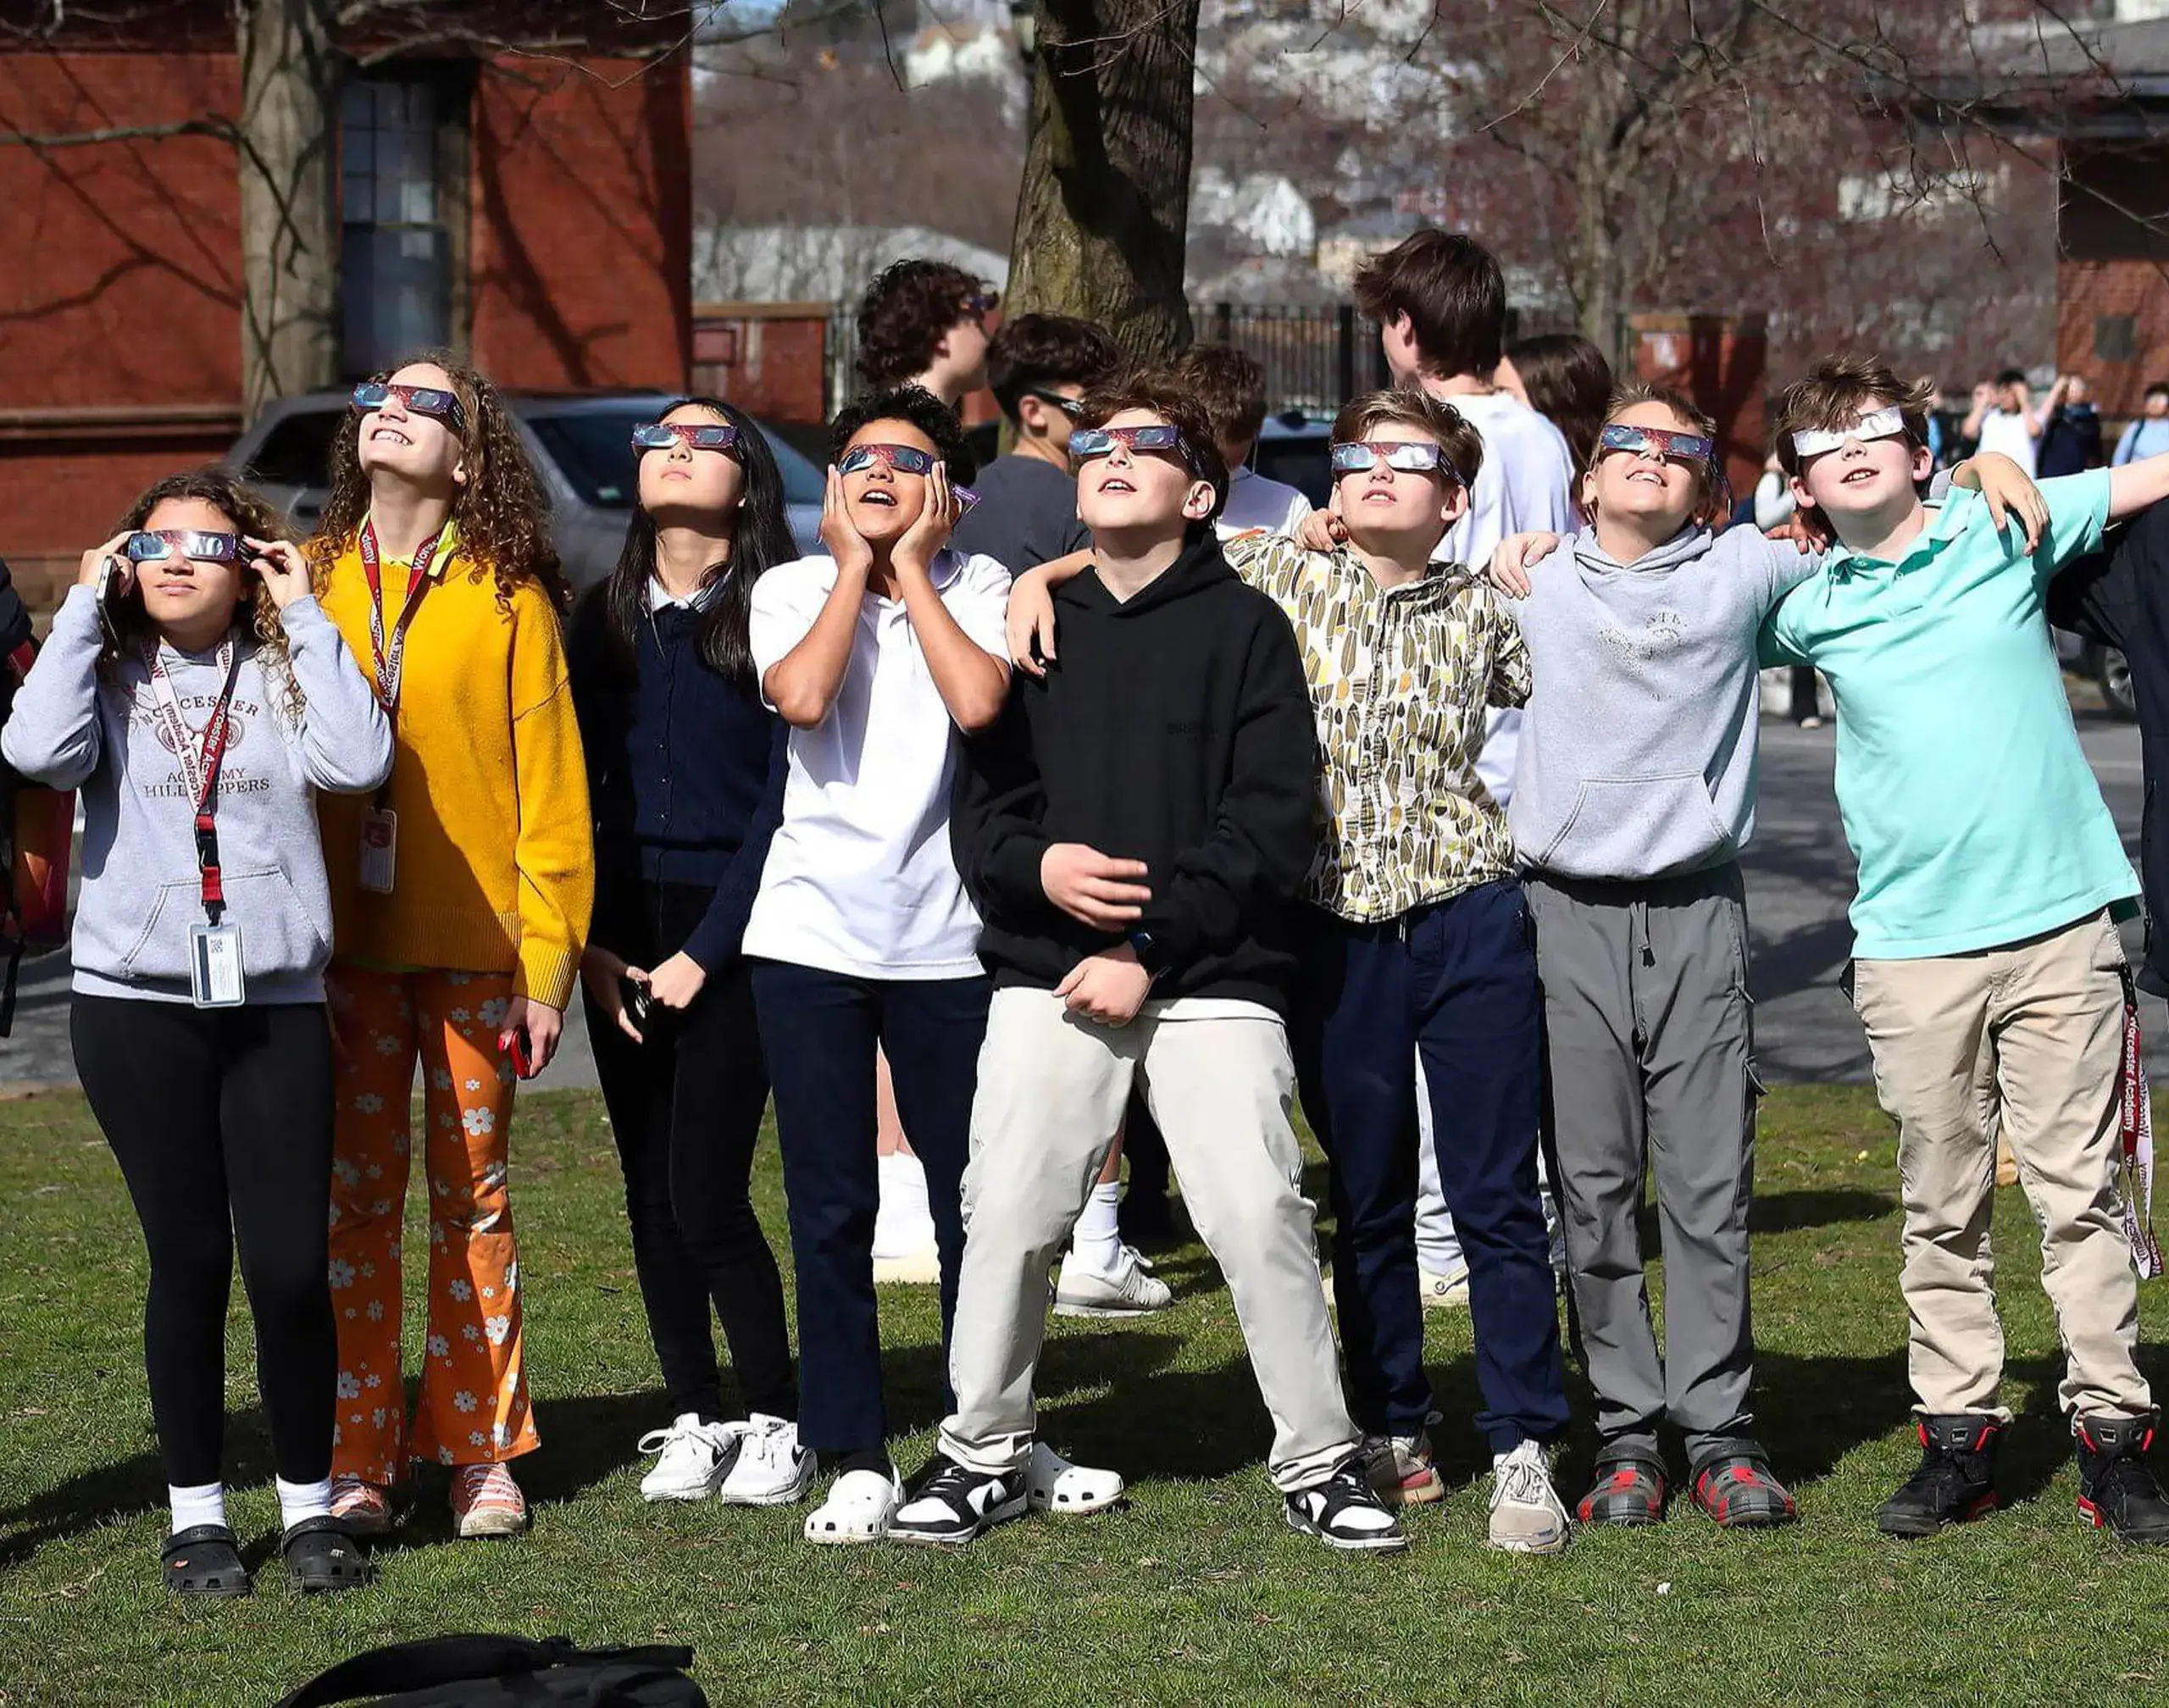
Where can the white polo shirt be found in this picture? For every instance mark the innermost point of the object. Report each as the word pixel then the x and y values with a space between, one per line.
pixel 859 879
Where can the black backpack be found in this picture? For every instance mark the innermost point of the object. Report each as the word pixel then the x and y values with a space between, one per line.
pixel 500 1672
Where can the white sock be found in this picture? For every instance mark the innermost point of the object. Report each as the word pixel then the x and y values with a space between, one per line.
pixel 1095 1241
pixel 300 1500
pixel 206 1505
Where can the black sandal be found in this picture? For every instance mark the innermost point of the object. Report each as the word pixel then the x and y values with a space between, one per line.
pixel 204 1560
pixel 321 1553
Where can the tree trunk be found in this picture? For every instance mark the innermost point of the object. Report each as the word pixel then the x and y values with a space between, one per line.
pixel 1103 215
pixel 290 91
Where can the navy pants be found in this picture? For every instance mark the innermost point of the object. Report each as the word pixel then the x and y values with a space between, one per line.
pixel 818 1031
pixel 1456 982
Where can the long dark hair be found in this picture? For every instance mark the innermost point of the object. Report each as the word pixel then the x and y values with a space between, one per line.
pixel 760 540
pixel 1569 384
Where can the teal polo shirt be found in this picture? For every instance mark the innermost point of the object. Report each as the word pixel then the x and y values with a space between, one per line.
pixel 1965 796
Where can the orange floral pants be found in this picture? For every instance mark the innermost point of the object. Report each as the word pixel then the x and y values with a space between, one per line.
pixel 473 1403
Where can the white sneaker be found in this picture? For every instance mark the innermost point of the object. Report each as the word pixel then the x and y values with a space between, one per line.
pixel 773 1470
pixel 1053 1484
pixel 1448 1292
pixel 1130 1291
pixel 858 1508
pixel 1526 1515
pixel 692 1458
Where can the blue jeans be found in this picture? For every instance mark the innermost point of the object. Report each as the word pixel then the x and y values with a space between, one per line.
pixel 1454 983
pixel 818 1031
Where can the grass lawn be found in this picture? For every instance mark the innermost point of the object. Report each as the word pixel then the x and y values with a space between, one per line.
pixel 1196 1592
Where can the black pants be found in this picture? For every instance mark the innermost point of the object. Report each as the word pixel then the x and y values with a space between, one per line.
pixel 820 1029
pixel 221 1119
pixel 686 1106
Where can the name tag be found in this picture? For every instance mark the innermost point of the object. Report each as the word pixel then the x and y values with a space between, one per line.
pixel 380 849
pixel 214 966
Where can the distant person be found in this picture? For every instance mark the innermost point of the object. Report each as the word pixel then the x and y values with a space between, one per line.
pixel 1565 379
pixel 2071 429
pixel 1230 385
pixel 2148 435
pixel 1943 432
pixel 923 324
pixel 2002 419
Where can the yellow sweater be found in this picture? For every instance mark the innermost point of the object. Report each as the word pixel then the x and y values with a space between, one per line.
pixel 495 870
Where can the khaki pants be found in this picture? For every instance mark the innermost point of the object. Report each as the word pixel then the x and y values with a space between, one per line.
pixel 2034 1028
pixel 1052 1091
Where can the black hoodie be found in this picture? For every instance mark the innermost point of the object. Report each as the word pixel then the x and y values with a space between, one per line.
pixel 1174 729
pixel 2119 596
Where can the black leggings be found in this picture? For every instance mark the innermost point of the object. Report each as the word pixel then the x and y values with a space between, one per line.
pixel 685 1107
pixel 221 1119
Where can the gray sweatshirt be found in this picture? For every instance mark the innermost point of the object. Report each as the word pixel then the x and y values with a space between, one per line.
pixel 1638 751
pixel 141 890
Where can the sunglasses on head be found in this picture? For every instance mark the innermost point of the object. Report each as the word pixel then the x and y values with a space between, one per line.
pixel 418 400
pixel 1412 456
pixel 1871 424
pixel 983 301
pixel 697 435
pixel 1071 407
pixel 150 546
pixel 1088 442
pixel 1656 442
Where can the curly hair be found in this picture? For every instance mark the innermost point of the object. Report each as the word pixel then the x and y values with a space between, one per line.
pixel 1230 385
pixel 905 314
pixel 251 513
pixel 923 410
pixel 503 510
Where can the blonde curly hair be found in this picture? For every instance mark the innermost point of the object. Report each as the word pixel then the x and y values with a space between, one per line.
pixel 502 509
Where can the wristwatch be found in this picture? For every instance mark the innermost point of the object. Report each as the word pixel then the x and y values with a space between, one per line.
pixel 1142 945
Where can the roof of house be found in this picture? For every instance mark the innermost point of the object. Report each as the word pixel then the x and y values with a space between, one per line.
pixel 2077 80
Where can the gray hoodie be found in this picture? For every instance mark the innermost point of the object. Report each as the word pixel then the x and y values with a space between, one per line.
pixel 1637 750
pixel 141 893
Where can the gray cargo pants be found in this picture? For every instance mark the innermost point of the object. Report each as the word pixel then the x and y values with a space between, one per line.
pixel 1649 1034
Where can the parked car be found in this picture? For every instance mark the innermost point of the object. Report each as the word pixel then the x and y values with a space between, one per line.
pixel 1295 446
pixel 2103 665
pixel 582 449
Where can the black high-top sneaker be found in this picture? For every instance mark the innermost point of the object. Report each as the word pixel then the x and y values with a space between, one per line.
pixel 1956 1480
pixel 2116 1490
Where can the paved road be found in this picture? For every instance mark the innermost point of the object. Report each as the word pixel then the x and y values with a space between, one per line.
pixel 1800 878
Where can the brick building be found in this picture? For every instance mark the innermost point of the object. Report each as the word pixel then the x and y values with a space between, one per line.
pixel 535 209
pixel 2097 97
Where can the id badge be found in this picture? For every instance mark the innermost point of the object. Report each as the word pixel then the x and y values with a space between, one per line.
pixel 380 849
pixel 214 975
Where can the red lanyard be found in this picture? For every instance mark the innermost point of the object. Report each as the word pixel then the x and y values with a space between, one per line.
pixel 390 658
pixel 200 757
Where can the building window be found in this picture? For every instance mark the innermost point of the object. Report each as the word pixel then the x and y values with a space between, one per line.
pixel 2116 338
pixel 395 277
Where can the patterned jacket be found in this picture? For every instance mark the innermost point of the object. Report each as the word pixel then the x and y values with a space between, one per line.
pixel 1399 684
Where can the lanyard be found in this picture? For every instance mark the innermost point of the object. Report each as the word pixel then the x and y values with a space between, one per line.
pixel 200 757
pixel 391 657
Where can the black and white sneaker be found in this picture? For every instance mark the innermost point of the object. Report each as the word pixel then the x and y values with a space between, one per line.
pixel 1345 1512
pixel 952 1504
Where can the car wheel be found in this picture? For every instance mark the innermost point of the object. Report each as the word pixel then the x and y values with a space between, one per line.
pixel 2115 676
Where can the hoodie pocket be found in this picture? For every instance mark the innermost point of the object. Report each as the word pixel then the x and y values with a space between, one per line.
pixel 278 937
pixel 1640 827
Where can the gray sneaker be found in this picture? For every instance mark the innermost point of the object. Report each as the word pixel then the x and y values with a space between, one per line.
pixel 1527 1516
pixel 1130 1291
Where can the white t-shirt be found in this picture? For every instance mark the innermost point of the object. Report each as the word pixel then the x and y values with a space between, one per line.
pixel 1525 482
pixel 2005 430
pixel 859 879
pixel 1254 502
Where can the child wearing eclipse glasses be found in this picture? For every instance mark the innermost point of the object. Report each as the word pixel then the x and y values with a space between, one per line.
pixel 1133 833
pixel 1635 795
pixel 461 892
pixel 1415 943
pixel 861 935
pixel 1986 952
pixel 196 692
